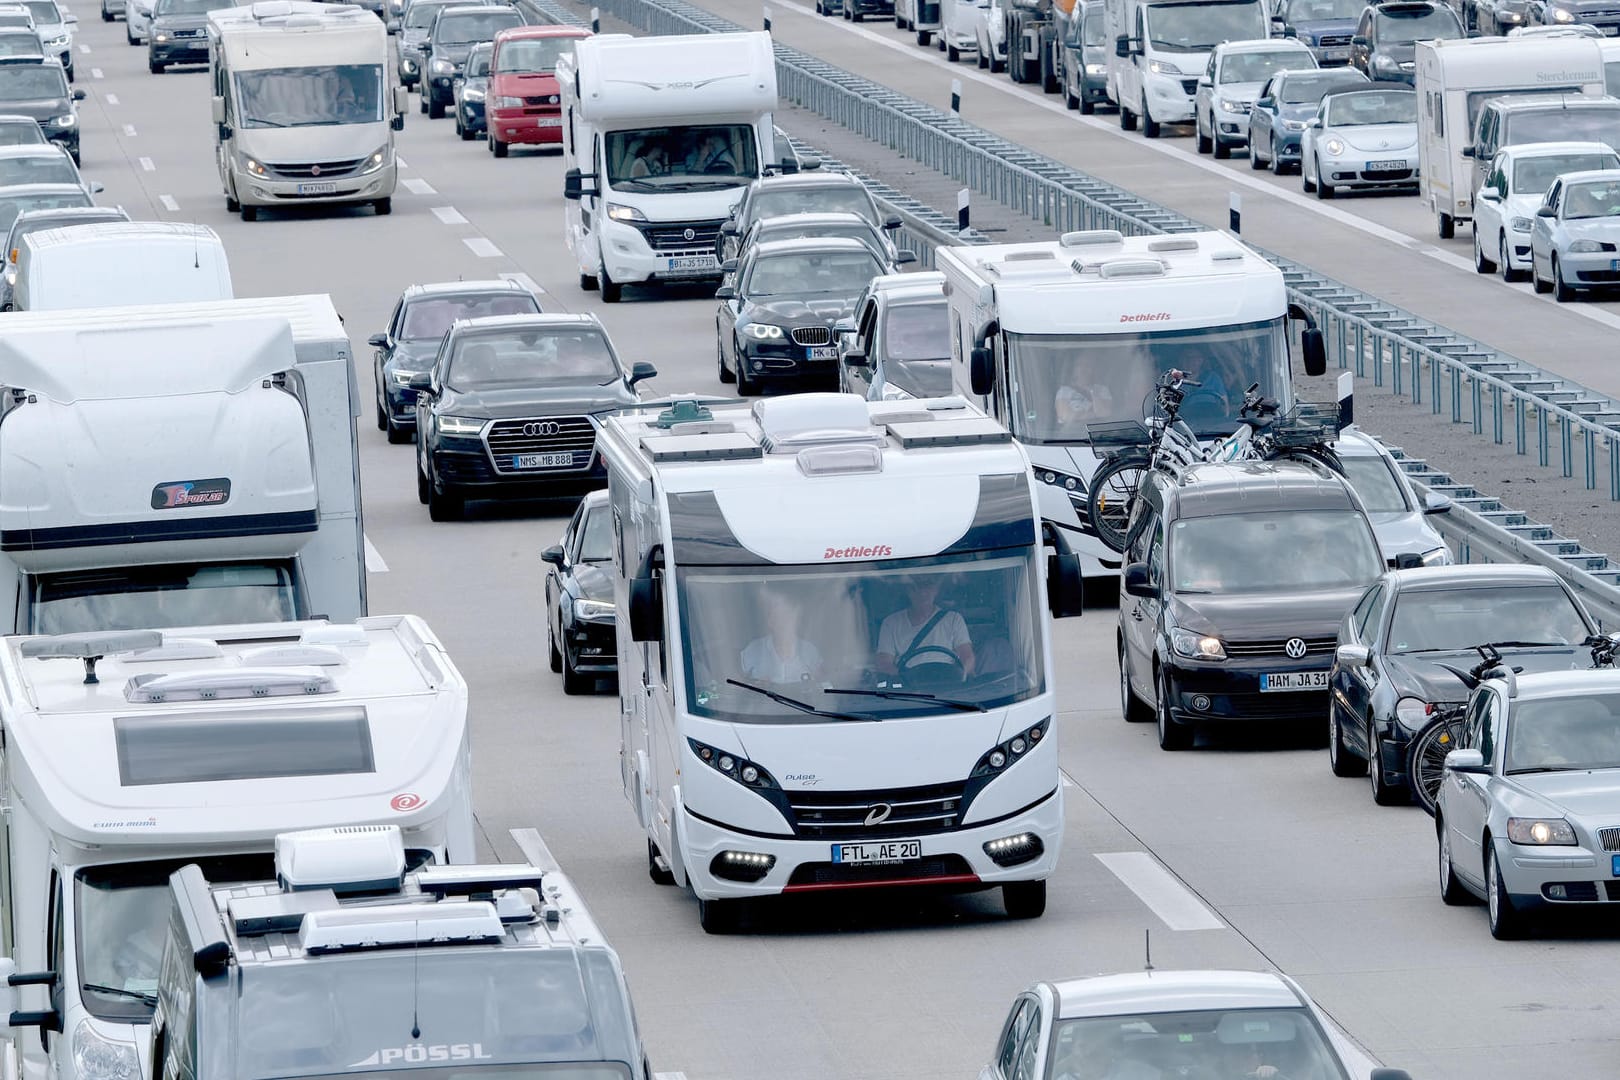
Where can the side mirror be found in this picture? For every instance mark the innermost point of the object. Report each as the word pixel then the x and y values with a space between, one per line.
pixel 846 325
pixel 398 122
pixel 1352 656
pixel 981 371
pixel 646 599
pixel 402 100
pixel 1315 122
pixel 378 341
pixel 553 555
pixel 892 222
pixel 217 109
pixel 1546 211
pixel 97 187
pixel 573 184
pixel 788 166
pixel 905 258
pixel 725 292
pixel 1359 39
pixel 72 20
pixel 1466 761
pixel 1468 151
pixel 422 383
pixel 729 266
pixel 1436 503
pixel 1065 586
pixel 729 229
pixel 857 358
pixel 641 370
pixel 1204 80
pixel 1136 582
pixel 1490 193
pixel 1314 351
pixel 10 1017
pixel 1265 103
pixel 809 164
pixel 1389 1074
pixel 1289 32
pixel 78 95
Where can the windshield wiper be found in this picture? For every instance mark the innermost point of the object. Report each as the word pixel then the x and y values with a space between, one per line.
pixel 795 703
pixel 1555 768
pixel 912 695
pixel 1526 645
pixel 146 997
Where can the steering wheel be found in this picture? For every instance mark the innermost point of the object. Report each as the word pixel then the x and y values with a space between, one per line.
pixel 1205 399
pixel 905 663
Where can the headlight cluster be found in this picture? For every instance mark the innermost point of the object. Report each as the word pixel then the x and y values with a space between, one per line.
pixel 402 378
pixel 506 101
pixel 471 93
pixel 1440 556
pixel 621 212
pixel 1521 224
pixel 1413 712
pixel 1096 69
pixel 999 757
pixel 161 38
pixel 252 166
pixel 1163 67
pixel 1585 247
pixel 407 65
pixel 1232 105
pixel 460 425
pixel 66 120
pixel 892 392
pixel 442 67
pixel 1384 63
pixel 1196 646
pixel 58 42
pixel 742 770
pixel 1293 125
pixel 592 610
pixel 1334 146
pixel 99 1058
pixel 1541 832
pixel 763 331
pixel 1562 15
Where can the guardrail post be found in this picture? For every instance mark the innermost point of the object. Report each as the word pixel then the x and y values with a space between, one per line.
pixel 956 99
pixel 596 20
pixel 963 197
pixel 767 18
pixel 1566 445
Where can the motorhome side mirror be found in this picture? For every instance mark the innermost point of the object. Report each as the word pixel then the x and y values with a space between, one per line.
pixel 78 95
pixel 788 166
pixel 1352 656
pixel 1065 585
pixel 378 341
pixel 809 164
pixel 10 1017
pixel 1468 151
pixel 573 184
pixel 729 229
pixel 422 383
pixel 905 258
pixel 646 612
pixel 553 555
pixel 1436 503
pixel 97 187
pixel 892 222
pixel 1546 211
pixel 402 100
pixel 1314 351
pixel 397 123
pixel 857 358
pixel 217 105
pixel 1137 583
pixel 981 371
pixel 1122 46
pixel 641 370
pixel 725 292
pixel 1489 193
pixel 1465 761
pixel 846 325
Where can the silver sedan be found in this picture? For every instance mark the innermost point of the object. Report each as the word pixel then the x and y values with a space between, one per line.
pixel 1361 139
pixel 1575 237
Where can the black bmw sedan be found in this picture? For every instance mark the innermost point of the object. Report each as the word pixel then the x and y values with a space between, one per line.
pixel 579 597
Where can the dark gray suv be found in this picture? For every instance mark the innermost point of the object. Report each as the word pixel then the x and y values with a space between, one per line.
pixel 454 33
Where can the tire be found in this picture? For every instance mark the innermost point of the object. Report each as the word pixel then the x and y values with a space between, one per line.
pixel 106 16
pixel 1383 792
pixel 923 38
pixel 1446 226
pixel 422 106
pixel 983 60
pixel 1305 181
pixel 1451 890
pixel 231 205
pixel 1275 161
pixel 154 67
pixel 1324 190
pixel 553 657
pixel 575 684
pixel 129 32
pixel 1482 265
pixel 658 875
pixel 382 413
pixel 1049 80
pixel 1562 292
pixel 727 376
pixel 1535 277
pixel 1070 102
pixel 1508 273
pixel 1256 162
pixel 746 386
pixel 465 132
pixel 1127 119
pixel 1024 899
pixel 997 66
pixel 445 505
pixel 398 435
pixel 953 55
pixel 423 487
pixel 1172 736
pixel 498 148
pixel 720 916
pixel 435 108
pixel 1087 108
pixel 1113 490
pixel 1507 922
pixel 612 291
pixel 249 213
pixel 1150 126
pixel 1340 759
pixel 1221 151
pixel 587 283
pixel 1205 143
pixel 383 206
pixel 1130 706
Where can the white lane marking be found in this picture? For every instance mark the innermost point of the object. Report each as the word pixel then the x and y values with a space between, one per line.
pixel 147 166
pixel 111 99
pixel 84 48
pixel 534 849
pixel 417 186
pixel 669 1076
pixel 374 559
pixel 400 162
pixel 95 73
pixel 481 247
pixel 448 215
pixel 1068 781
pixel 129 129
pixel 1175 904
pixel 168 202
pixel 526 281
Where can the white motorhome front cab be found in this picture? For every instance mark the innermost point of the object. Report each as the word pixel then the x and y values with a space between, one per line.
pixel 198 746
pixel 1063 341
pixel 303 108
pixel 1455 78
pixel 834 661
pixel 660 136
pixel 1161 48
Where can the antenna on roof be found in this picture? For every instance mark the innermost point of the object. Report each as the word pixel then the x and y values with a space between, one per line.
pixel 89 647
pixel 416 983
pixel 1147 948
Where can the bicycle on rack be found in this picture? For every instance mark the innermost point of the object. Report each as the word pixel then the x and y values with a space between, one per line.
pixel 1262 434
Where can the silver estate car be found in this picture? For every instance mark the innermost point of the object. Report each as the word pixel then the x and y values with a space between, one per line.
pixel 1399 518
pixel 1528 812
pixel 1361 139
pixel 1575 237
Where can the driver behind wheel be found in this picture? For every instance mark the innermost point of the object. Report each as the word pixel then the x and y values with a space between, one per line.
pixel 922 633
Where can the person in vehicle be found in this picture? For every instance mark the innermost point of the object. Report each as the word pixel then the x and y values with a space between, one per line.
pixel 781 655
pixel 1101 1055
pixel 923 633
pixel 712 155
pixel 650 159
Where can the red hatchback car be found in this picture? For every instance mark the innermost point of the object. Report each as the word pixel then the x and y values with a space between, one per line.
pixel 521 106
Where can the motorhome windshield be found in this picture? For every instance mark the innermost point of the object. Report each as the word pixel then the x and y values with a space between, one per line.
pixel 681 158
pixel 1257 553
pixel 531 56
pixel 873 639
pixel 155 597
pixel 310 96
pixel 1060 385
pixel 528 357
pixel 1591 123
pixel 1367 107
pixel 1534 175
pixel 1199 27
pixel 1307 11
pixel 31 82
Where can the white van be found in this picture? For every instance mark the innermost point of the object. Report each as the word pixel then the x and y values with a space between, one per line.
pixel 121 263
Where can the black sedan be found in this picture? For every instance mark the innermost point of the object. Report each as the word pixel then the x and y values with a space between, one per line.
pixel 509 410
pixel 471 87
pixel 1403 648
pixel 579 597
pixel 774 326
pixel 421 316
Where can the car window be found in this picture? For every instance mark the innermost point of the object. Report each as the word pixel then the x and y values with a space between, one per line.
pixel 813 200
pixel 596 536
pixel 478 62
pixel 1012 1039
pixel 1588 124
pixel 20 45
pixel 54 168
pixel 1457 619
pixel 428 317
pixel 188 7
pixel 529 356
pixel 1489 719
pixel 1368 107
pixel 1534 175
pixel 1250 67
pixel 1565 733
pixel 1592 199
pixel 1437 22
pixel 1362 615
pixel 830 273
pixel 1380 491
pixel 421 15
pixel 1028 1064
pixel 1255 552
pixel 22 82
pixel 1155 550
pixel 916 332
pixel 1304 89
pixel 530 55
pixel 452 29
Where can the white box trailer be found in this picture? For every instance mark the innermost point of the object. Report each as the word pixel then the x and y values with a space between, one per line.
pixel 120 264
pixel 179 464
pixel 198 745
pixel 1455 78
pixel 660 136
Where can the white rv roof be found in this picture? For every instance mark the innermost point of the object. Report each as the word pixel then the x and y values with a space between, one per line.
pixel 640 79
pixel 144 233
pixel 1508 63
pixel 1552 149
pixel 311 317
pixel 279 33
pixel 100 768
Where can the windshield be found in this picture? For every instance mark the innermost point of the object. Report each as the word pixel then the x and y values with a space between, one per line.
pixel 1432 620
pixel 1594 199
pixel 1380 491
pixel 16 18
pixel 427 318
pixel 11 207
pixel 466 29
pixel 1201 27
pixel 681 158
pixel 1259 552
pixel 1576 731
pixel 1310 89
pixel 1062 385
pixel 1303 11
pixel 813 200
pixel 189 7
pixel 1589 124
pixel 31 81
pixel 490 360
pixel 596 537
pixel 421 15
pixel 45 12
pixel 964 627
pixel 530 55
pixel 310 96
pixel 1534 175
pixel 917 332
pixel 20 45
pixel 1367 107
pixel 821 273
pixel 154 597
pixel 44 169
pixel 1257 67
pixel 1432 25
pixel 1285 1043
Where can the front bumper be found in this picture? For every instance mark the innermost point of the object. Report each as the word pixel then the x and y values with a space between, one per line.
pixel 410 73
pixel 179 50
pixel 1228 692
pixel 1590 269
pixel 1352 172
pixel 871 7
pixel 472 115
pixel 261 191
pixel 592 646
pixel 1288 144
pixel 1232 127
pixel 630 259
pixel 520 127
pixel 1167 98
pixel 401 403
pixel 1518 250
pixel 1331 55
pixel 1549 876
pixel 467 469
pixel 782 362
pixel 953 859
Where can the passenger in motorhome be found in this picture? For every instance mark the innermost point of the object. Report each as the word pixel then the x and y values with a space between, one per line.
pixel 923 633
pixel 780 655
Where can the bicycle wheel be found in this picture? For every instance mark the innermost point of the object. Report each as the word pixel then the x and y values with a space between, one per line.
pixel 1112 494
pixel 1426 758
pixel 1321 456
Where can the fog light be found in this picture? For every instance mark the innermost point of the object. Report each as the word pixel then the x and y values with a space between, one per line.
pixel 1557 892
pixel 1012 850
pixel 1200 702
pixel 744 866
pixel 759 365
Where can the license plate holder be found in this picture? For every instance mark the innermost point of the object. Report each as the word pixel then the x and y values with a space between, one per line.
pixel 1286 681
pixel 1392 165
pixel 323 188
pixel 1339 53
pixel 542 461
pixel 693 262
pixel 876 852
pixel 822 352
pixel 549 121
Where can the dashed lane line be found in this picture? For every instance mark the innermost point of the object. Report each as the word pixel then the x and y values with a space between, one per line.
pixel 168 202
pixel 482 247
pixel 95 73
pixel 111 99
pixel 399 161
pixel 147 166
pixel 84 48
pixel 374 559
pixel 129 129
pixel 449 215
pixel 417 186
pixel 1177 906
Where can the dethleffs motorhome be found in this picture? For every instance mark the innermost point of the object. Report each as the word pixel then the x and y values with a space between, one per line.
pixel 834 660
pixel 1064 340
pixel 304 111
pixel 660 135
pixel 1455 78
pixel 179 465
pixel 197 746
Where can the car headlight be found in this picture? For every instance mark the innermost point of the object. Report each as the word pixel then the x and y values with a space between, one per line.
pixel 402 378
pixel 1440 556
pixel 1384 63
pixel 161 38
pixel 892 392
pixel 1196 646
pixel 1163 67
pixel 1521 224
pixel 471 93
pixel 592 610
pixel 740 769
pixel 442 67
pixel 1233 105
pixel 505 101
pixel 1293 125
pixel 1334 146
pixel 460 425
pixel 1096 69
pixel 58 42
pixel 407 65
pixel 997 757
pixel 763 331
pixel 1413 712
pixel 96 1057
pixel 1585 247
pixel 66 120
pixel 377 160
pixel 1563 16
pixel 621 212
pixel 252 166
pixel 1541 832
pixel 1509 16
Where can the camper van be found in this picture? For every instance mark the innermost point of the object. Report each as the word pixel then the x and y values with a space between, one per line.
pixel 119 264
pixel 1161 48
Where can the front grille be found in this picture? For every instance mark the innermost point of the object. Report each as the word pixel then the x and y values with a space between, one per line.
pixel 1387 175
pixel 682 237
pixel 1190 86
pixel 574 435
pixel 1598 277
pixel 1314 646
pixel 828 875
pixel 841 815
pixel 543 99
pixel 315 170
pixel 1280 706
pixel 812 335
pixel 1330 41
pixel 1610 838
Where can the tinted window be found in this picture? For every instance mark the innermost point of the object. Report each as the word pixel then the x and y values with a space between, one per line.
pixel 20 82
pixel 1235 1043
pixel 830 273
pixel 916 332
pixel 478 61
pixel 428 317
pixel 596 538
pixel 1563 125
pixel 526 357
pixel 454 29
pixel 20 45
pixel 1593 199
pixel 421 16
pixel 1431 620
pixel 207 747
pixel 533 54
pixel 1243 553
pixel 1253 67
pixel 43 11
pixel 1380 491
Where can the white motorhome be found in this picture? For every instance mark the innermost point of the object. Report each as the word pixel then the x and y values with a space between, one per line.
pixel 834 666
pixel 1160 49
pixel 120 264
pixel 660 135
pixel 179 464
pixel 1064 340
pixel 1455 78
pixel 304 110
pixel 132 753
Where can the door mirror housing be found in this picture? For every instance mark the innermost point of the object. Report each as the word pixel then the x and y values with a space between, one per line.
pixel 857 358
pixel 1265 103
pixel 97 187
pixel 422 383
pixel 729 228
pixel 641 370
pixel 729 266
pixel 647 598
pixel 1466 761
pixel 1289 32
pixel 892 222
pixel 1490 193
pixel 905 258
pixel 1389 1074
pixel 217 108
pixel 402 100
pixel 378 341
pixel 574 185
pixel 78 94
pixel 553 555
pixel 1352 656
pixel 1136 582
pixel 1205 80
pixel 1122 47
pixel 1546 211
pixel 725 292
pixel 982 370
pixel 1359 39
pixel 1468 151
pixel 846 325
pixel 1436 503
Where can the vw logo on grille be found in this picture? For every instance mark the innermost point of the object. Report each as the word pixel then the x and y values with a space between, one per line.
pixel 689 234
pixel 1295 648
pixel 879 813
pixel 314 170
pixel 544 427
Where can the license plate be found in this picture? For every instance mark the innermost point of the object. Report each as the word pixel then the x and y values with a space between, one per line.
pixel 1294 680
pixel 1614 264
pixel 889 852
pixel 1336 54
pixel 823 352
pixel 1385 166
pixel 549 121
pixel 542 461
pixel 694 262
pixel 317 189
pixel 1614 867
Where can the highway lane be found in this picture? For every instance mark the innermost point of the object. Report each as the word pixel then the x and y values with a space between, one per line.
pixel 1299 869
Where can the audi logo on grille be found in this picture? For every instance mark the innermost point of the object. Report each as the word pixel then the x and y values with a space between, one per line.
pixel 1295 648
pixel 542 427
pixel 689 234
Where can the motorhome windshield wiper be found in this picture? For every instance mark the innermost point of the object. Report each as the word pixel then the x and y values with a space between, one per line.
pixel 144 996
pixel 913 695
pixel 795 703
